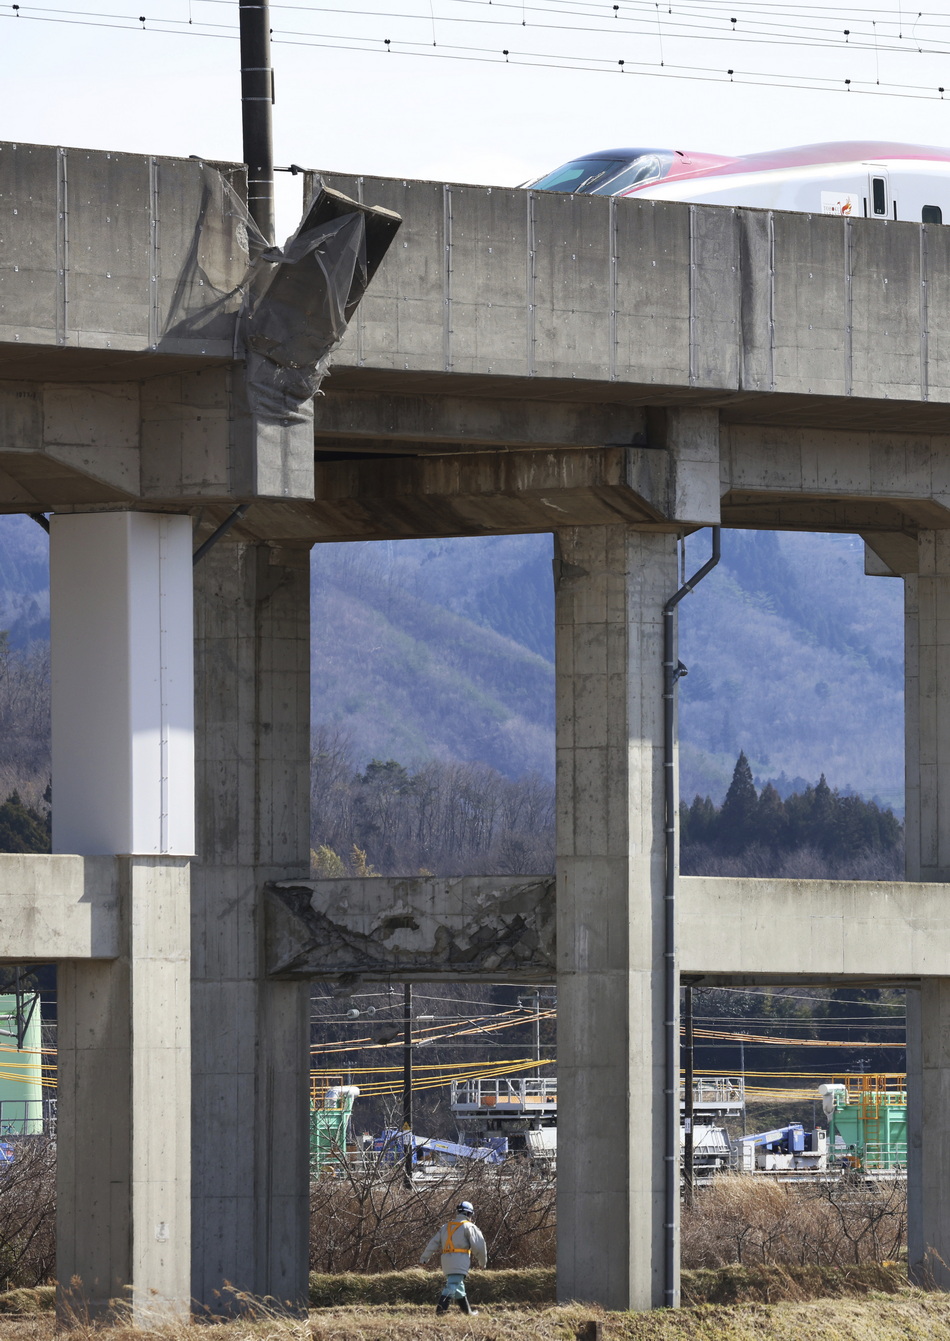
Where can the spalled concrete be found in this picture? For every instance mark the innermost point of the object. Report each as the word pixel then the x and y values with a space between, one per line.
pixel 375 929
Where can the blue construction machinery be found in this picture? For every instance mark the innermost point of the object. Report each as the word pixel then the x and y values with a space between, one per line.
pixel 391 1146
pixel 790 1147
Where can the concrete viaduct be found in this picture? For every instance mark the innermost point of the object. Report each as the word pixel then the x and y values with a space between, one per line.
pixel 617 372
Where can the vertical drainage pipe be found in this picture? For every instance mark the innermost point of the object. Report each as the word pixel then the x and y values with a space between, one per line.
pixel 672 670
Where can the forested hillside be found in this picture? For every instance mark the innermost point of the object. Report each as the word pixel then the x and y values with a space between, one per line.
pixel 442 652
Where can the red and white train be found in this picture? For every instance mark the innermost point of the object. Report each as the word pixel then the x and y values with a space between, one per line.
pixel 864 179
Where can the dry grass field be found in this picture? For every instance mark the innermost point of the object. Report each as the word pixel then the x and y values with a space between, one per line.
pixel 909 1316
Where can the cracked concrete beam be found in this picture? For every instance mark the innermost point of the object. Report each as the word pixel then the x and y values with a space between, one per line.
pixel 468 928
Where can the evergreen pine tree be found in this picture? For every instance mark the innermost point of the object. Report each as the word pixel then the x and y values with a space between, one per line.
pixel 737 819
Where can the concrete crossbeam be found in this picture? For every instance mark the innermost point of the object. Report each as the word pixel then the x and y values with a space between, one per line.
pixel 473 927
pixel 58 907
pixel 433 422
pixel 843 928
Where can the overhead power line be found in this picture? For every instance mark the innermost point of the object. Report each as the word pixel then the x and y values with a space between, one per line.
pixel 511 55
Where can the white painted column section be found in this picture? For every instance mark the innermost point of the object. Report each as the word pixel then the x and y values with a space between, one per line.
pixel 927 839
pixel 123 783
pixel 122 683
pixel 612 584
pixel 250 1034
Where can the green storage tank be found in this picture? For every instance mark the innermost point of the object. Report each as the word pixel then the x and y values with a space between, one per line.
pixel 21 1073
pixel 329 1124
pixel 869 1114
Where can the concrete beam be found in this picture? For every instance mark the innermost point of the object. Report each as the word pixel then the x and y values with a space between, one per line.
pixel 490 493
pixel 58 907
pixel 414 423
pixel 854 929
pixel 766 463
pixel 426 928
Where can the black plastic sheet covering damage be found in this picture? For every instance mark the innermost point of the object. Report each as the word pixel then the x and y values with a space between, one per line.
pixel 291 306
pixel 296 313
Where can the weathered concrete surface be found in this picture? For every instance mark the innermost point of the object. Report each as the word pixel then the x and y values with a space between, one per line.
pixel 928 1133
pixel 124 1106
pixel 611 587
pixel 250 1039
pixel 654 295
pixel 481 927
pixel 58 907
pixel 108 252
pixel 927 710
pixel 122 278
pixel 842 928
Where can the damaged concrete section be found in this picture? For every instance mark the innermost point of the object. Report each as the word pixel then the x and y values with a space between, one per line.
pixel 429 928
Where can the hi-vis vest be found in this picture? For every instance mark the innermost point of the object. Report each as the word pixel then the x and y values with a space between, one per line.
pixel 449 1245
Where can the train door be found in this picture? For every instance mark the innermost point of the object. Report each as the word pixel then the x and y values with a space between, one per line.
pixel 879 196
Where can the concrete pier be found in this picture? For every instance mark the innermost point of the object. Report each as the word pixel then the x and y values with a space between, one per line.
pixel 250 1034
pixel 612 584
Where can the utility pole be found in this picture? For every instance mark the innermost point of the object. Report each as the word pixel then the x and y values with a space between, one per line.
pixel 688 1098
pixel 407 1080
pixel 257 99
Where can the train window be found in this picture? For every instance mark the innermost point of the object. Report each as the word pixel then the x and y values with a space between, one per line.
pixel 931 214
pixel 879 195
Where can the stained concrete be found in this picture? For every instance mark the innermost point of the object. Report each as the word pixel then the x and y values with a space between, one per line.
pixel 250 1035
pixel 376 929
pixel 123 1182
pixel 59 907
pixel 611 587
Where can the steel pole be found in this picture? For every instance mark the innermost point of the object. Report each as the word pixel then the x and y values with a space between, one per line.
pixel 407 1080
pixel 688 1098
pixel 257 100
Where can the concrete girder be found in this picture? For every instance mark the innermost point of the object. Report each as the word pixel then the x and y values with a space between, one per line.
pixel 875 931
pixel 431 423
pixel 485 494
pixel 426 928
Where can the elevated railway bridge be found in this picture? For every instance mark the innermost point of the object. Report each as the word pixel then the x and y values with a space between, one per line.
pixel 618 372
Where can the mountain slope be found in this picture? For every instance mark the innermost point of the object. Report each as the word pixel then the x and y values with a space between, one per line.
pixel 444 649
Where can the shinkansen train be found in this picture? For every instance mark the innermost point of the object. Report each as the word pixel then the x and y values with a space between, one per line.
pixel 872 179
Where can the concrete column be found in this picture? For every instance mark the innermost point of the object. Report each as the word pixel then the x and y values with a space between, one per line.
pixel 928 1133
pixel 123 1180
pixel 927 710
pixel 612 584
pixel 123 683
pixel 124 783
pixel 250 1035
pixel 927 838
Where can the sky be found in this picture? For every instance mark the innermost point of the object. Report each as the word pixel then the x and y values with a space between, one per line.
pixel 443 102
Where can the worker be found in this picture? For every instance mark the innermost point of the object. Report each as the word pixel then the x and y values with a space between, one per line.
pixel 459 1241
